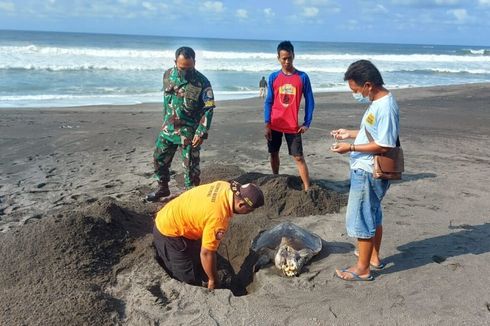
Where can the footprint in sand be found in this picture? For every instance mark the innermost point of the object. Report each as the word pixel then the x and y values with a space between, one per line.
pixel 402 223
pixel 32 219
pixel 161 298
pixel 454 266
pixel 399 301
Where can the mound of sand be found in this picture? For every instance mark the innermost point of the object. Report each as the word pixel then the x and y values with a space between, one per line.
pixel 54 270
pixel 283 193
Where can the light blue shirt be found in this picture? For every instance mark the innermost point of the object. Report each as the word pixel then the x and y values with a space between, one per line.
pixel 382 120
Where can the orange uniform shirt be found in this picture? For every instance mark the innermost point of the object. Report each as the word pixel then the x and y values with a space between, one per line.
pixel 204 212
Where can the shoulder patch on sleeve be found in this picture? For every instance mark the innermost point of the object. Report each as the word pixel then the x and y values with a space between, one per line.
pixel 220 233
pixel 208 94
pixel 370 119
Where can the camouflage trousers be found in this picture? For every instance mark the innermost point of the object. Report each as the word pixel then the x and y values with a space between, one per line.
pixel 164 154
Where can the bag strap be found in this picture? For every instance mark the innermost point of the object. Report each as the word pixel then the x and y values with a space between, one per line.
pixel 371 139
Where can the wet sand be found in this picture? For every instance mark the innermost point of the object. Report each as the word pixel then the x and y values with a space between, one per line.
pixel 75 242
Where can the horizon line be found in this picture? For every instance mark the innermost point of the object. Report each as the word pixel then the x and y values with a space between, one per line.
pixel 233 39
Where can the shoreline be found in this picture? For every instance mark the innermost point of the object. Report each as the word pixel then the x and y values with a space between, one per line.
pixel 321 93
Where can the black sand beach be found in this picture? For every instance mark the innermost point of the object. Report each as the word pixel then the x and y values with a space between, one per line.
pixel 76 244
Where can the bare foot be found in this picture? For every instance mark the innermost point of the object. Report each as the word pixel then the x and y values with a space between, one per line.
pixel 375 262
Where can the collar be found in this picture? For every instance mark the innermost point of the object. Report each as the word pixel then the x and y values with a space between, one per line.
pixel 291 74
pixel 231 201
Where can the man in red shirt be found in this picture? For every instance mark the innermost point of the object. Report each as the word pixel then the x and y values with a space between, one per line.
pixel 285 90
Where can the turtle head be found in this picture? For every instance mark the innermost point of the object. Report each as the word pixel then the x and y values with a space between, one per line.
pixel 281 256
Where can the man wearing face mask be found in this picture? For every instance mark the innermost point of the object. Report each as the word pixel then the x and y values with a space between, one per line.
pixel 377 134
pixel 188 104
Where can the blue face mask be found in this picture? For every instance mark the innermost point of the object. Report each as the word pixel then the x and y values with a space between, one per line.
pixel 361 98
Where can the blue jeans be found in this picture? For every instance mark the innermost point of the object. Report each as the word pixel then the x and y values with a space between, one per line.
pixel 364 212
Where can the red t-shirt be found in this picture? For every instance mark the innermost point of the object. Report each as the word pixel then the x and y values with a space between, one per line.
pixel 284 99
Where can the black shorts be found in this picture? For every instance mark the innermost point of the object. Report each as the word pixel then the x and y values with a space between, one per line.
pixel 181 257
pixel 295 145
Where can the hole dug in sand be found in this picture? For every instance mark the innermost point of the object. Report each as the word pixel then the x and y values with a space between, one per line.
pixel 284 201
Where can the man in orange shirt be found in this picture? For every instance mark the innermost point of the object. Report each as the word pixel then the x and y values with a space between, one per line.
pixel 188 230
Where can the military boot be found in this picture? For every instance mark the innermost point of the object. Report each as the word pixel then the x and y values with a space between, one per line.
pixel 162 191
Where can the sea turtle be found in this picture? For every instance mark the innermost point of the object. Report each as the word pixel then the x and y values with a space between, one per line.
pixel 289 245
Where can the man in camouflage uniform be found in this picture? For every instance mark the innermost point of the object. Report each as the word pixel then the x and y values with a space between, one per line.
pixel 188 104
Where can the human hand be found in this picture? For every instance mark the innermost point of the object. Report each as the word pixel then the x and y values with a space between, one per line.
pixel 302 129
pixel 212 285
pixel 196 141
pixel 341 148
pixel 340 134
pixel 268 133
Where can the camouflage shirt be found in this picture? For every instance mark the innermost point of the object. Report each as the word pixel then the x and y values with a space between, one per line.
pixel 188 103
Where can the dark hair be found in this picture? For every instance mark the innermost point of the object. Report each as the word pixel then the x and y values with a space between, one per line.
pixel 185 51
pixel 285 46
pixel 363 71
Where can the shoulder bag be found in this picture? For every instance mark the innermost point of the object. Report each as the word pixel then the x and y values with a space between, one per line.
pixel 389 165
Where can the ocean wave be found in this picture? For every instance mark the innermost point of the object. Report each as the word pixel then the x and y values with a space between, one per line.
pixel 59 59
pixel 477 52
pixel 236 55
pixel 53 97
pixel 86 52
pixel 35 51
pixel 81 67
pixel 65 100
pixel 235 68
pixel 237 88
pixel 441 70
pixel 344 57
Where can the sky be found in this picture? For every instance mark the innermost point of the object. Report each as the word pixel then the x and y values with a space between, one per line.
pixel 456 22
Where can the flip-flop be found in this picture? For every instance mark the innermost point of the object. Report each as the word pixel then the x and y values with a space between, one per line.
pixel 355 277
pixel 377 267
